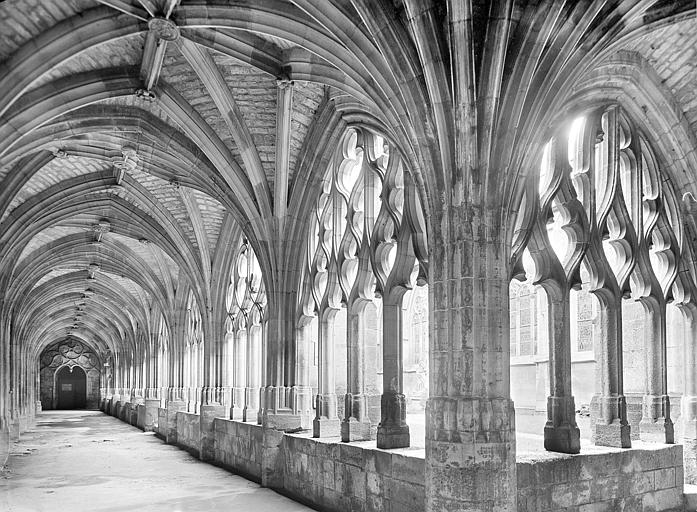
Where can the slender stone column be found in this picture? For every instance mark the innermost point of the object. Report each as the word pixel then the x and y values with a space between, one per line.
pixel 656 425
pixel 393 431
pixel 361 333
pixel 301 393
pixel 254 340
pixel 611 427
pixel 561 433
pixel 240 375
pixel 688 405
pixel 326 422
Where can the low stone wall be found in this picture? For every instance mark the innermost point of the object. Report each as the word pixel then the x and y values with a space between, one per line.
pixel 161 428
pixel 337 476
pixel 647 477
pixel 323 473
pixel 189 432
pixel 334 476
pixel 238 447
pixel 4 441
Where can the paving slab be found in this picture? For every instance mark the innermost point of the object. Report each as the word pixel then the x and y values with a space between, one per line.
pixel 89 461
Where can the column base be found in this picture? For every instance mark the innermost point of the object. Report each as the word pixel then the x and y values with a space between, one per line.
pixel 659 430
pixel 287 422
pixel 237 413
pixel 561 433
pixel 301 401
pixel 326 427
pixel 655 425
pixel 249 415
pixel 354 430
pixel 617 435
pixel 252 404
pixel 393 431
pixel 562 438
pixel 393 436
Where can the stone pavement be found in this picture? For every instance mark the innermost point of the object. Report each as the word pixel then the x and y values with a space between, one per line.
pixel 88 461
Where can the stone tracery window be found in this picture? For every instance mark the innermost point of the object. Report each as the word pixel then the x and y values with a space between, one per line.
pixel 605 230
pixel 245 302
pixel 366 248
pixel 193 360
pixel 162 356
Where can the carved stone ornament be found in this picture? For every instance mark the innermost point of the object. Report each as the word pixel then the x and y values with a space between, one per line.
pixel 69 352
pixel 145 94
pixel 164 29
pixel 101 228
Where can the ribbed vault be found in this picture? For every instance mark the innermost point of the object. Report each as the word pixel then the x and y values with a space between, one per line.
pixel 143 143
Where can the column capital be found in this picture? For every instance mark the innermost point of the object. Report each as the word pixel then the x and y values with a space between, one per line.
pixel 284 83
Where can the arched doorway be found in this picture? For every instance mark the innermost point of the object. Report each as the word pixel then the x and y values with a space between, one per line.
pixel 71 388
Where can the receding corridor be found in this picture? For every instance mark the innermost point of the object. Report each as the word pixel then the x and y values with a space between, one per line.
pixel 86 460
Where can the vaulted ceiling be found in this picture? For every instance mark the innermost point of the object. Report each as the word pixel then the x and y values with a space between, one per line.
pixel 136 135
pixel 111 201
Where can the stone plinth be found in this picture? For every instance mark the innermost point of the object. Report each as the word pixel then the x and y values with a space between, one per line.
pixel 207 429
pixel 393 432
pixel 151 414
pixel 173 407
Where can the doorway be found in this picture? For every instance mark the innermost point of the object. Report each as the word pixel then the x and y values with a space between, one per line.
pixel 71 388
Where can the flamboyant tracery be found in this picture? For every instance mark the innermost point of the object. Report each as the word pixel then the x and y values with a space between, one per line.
pixel 605 221
pixel 366 248
pixel 245 303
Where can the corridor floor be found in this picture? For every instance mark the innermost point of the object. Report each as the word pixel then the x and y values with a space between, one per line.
pixel 87 461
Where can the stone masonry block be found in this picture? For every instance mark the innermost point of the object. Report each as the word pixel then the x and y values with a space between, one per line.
pixel 664 499
pixel 525 472
pixel 375 503
pixel 378 461
pixel 606 486
pixel 581 491
pixel 404 496
pixel 339 470
pixel 374 483
pixel 408 469
pixel 664 478
pixel 598 506
pixel 455 484
pixel 351 454
pixel 327 472
pixel 641 482
pixel 354 482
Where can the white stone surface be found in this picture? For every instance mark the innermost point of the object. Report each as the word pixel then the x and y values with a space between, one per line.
pixel 86 460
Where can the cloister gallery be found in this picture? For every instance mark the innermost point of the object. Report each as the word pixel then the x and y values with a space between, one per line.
pixel 372 254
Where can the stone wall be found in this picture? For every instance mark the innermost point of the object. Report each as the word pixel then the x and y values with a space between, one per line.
pixel 323 473
pixel 4 441
pixel 645 478
pixel 338 476
pixel 334 476
pixel 189 432
pixel 237 447
pixel 161 428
